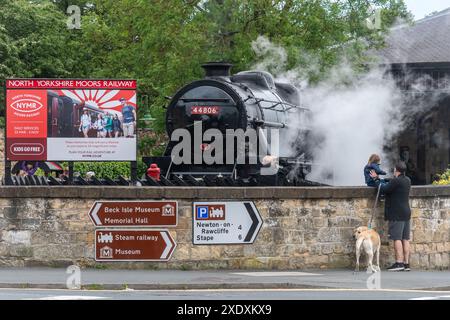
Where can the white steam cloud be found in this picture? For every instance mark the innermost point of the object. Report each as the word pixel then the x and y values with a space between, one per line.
pixel 354 121
pixel 353 115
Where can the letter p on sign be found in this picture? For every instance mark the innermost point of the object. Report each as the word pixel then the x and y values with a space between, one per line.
pixel 202 212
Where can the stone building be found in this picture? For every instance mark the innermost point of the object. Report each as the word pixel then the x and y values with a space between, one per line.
pixel 418 56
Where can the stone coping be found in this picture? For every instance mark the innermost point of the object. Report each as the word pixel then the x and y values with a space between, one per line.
pixel 121 192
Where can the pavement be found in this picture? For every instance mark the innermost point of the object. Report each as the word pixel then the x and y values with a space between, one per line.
pixel 94 279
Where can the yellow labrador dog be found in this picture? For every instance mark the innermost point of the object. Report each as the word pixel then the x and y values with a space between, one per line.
pixel 369 241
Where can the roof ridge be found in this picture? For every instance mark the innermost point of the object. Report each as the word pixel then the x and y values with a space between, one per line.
pixel 426 40
pixel 439 14
pixel 445 12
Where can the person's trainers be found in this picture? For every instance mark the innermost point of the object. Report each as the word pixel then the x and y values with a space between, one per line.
pixel 396 267
pixel 407 267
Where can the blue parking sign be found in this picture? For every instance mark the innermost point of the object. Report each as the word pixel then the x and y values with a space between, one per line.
pixel 202 212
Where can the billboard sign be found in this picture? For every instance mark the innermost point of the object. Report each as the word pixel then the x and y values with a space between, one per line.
pixel 71 120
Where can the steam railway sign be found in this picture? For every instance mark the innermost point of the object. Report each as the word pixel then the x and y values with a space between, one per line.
pixel 134 213
pixel 133 245
pixel 225 222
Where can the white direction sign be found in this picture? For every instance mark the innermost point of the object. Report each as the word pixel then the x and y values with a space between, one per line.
pixel 225 222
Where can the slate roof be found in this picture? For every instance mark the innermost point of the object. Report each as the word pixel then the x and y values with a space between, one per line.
pixel 428 40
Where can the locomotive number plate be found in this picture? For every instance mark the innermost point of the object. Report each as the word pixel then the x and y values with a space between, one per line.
pixel 205 110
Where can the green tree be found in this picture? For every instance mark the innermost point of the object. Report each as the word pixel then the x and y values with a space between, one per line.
pixel 321 27
pixel 35 42
pixel 163 43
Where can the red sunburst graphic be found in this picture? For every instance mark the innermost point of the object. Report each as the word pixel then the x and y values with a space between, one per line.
pixel 107 100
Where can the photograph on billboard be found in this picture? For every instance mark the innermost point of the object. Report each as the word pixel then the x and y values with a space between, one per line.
pixel 71 120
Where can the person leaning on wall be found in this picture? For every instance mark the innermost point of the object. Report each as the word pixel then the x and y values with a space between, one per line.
pixel 398 213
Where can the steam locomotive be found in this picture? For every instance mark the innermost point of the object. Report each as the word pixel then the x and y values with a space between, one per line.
pixel 249 100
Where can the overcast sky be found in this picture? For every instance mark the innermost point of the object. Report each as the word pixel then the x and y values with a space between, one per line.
pixel 421 8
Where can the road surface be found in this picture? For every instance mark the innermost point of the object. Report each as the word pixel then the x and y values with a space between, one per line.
pixel 270 294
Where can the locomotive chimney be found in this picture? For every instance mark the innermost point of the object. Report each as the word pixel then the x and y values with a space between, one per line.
pixel 217 69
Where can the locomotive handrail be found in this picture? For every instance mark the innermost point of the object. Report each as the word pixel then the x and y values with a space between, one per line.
pixel 205 99
pixel 276 103
pixel 274 106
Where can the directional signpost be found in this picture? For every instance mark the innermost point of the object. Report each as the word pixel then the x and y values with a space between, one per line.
pixel 134 213
pixel 225 222
pixel 133 245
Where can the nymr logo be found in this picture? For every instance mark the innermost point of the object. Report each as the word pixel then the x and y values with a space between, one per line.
pixel 27 105
pixel 210 212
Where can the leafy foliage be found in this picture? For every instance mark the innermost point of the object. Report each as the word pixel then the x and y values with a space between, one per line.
pixel 107 169
pixel 444 179
pixel 103 169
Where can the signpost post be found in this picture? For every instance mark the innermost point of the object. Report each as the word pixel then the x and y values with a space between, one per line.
pixel 225 222
pixel 133 245
pixel 134 213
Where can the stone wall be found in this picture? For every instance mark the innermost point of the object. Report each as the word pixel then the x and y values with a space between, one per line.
pixel 303 227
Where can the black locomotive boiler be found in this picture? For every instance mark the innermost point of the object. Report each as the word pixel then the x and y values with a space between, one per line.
pixel 249 100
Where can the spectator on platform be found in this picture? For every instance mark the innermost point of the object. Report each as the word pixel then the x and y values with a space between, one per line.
pixel 28 168
pixel 109 125
pixel 116 126
pixel 129 118
pixel 99 125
